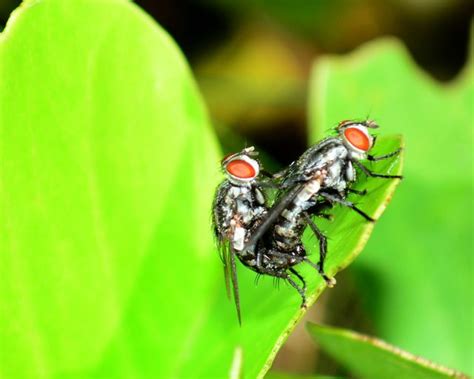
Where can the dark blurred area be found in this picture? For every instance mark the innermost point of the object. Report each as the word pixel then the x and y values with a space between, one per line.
pixel 252 60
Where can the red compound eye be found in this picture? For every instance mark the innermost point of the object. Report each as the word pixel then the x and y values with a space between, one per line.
pixel 357 138
pixel 241 169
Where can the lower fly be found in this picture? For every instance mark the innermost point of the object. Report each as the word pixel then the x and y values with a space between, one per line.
pixel 239 209
pixel 239 205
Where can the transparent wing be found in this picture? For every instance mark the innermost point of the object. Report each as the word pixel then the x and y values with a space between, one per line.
pixel 271 217
pixel 230 274
pixel 227 255
pixel 224 252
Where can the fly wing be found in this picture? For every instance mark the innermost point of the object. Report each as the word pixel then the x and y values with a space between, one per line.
pixel 235 285
pixel 224 252
pixel 224 246
pixel 217 220
pixel 271 217
pixel 230 274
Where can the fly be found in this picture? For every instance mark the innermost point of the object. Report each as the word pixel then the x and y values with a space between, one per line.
pixel 319 179
pixel 269 240
pixel 239 205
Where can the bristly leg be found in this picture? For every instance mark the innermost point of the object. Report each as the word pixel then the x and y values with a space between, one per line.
pixel 382 157
pixel 367 172
pixel 346 203
pixel 299 276
pixel 326 216
pixel 296 287
pixel 330 282
pixel 318 209
pixel 357 192
pixel 323 246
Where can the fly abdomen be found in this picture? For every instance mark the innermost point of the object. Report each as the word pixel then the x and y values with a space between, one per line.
pixel 285 232
pixel 289 227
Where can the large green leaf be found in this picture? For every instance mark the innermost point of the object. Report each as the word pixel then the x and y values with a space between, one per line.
pixel 107 171
pixel 371 358
pixel 417 271
pixel 107 265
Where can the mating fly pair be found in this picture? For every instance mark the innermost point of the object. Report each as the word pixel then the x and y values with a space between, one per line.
pixel 267 239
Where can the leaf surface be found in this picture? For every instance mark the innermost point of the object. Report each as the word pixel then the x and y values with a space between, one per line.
pixel 108 168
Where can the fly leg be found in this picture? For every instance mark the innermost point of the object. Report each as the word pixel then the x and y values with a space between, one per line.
pixel 323 246
pixel 382 157
pixel 367 172
pixel 298 275
pixel 326 216
pixel 300 290
pixel 268 184
pixel 357 192
pixel 318 209
pixel 339 200
pixel 276 175
pixel 331 282
pixel 322 251
pixel 281 273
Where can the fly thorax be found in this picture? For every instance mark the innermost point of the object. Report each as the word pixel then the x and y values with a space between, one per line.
pixel 225 216
pixel 239 191
pixel 259 210
pixel 336 176
pixel 341 186
pixel 336 153
pixel 334 171
pixel 244 211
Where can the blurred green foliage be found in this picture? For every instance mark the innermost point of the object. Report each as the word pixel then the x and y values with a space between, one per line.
pixel 416 276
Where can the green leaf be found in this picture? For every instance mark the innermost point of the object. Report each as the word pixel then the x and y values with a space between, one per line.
pixel 416 275
pixel 107 264
pixel 108 170
pixel 368 357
